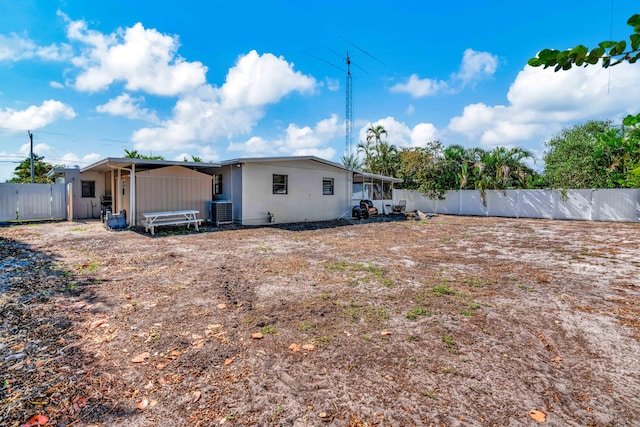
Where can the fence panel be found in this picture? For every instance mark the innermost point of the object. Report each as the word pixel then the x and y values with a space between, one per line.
pixel 572 204
pixel 615 205
pixel 450 204
pixel 598 205
pixel 471 203
pixel 32 201
pixel 502 203
pixel 8 202
pixel 535 203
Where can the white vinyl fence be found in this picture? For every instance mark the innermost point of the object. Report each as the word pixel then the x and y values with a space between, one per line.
pixel 595 205
pixel 33 201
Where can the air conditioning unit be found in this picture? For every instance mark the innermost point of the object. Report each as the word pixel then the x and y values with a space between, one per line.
pixel 220 212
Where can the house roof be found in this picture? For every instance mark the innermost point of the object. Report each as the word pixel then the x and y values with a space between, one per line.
pixel 115 163
pixel 357 173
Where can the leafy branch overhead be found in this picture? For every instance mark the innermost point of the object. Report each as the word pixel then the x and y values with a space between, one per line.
pixel 609 53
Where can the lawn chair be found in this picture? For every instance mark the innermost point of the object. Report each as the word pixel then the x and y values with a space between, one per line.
pixel 400 207
pixel 367 206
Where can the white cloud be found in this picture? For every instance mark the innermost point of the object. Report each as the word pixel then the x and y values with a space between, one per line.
pixel 56 85
pixel 475 66
pixel 541 102
pixel 39 148
pixel 14 47
pixel 258 80
pixel 401 135
pixel 71 159
pixel 126 106
pixel 332 84
pixel 36 117
pixel 418 87
pixel 296 141
pixel 210 114
pixel 144 59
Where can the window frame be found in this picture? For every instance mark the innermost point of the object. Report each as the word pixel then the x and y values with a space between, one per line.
pixel 280 188
pixel 217 185
pixel 331 187
pixel 91 193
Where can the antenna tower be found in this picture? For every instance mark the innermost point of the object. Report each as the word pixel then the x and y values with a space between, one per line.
pixel 348 116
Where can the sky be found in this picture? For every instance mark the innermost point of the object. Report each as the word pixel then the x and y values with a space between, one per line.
pixel 225 80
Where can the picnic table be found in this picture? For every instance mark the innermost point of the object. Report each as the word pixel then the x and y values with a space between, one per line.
pixel 154 219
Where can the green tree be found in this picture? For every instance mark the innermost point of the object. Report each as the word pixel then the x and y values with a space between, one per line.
pixel 134 154
pixel 608 53
pixel 380 157
pixel 569 159
pixel 351 161
pixel 22 172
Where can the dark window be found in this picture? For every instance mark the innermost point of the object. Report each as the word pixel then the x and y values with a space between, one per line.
pixel 280 184
pixel 88 189
pixel 217 184
pixel 327 186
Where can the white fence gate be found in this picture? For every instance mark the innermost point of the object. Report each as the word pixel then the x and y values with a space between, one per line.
pixel 597 205
pixel 33 201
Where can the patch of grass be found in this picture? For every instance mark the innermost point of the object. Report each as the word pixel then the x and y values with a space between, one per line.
pixel 337 266
pixel 367 337
pixel 369 314
pixel 266 329
pixel 448 340
pixel 474 306
pixel 476 282
pixel 387 283
pixel 417 311
pixel 305 325
pixel 325 297
pixel 442 290
pixel 429 394
pixel 466 313
pixel 264 248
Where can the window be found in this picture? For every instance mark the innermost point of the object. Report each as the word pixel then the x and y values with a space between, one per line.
pixel 88 188
pixel 217 184
pixel 327 186
pixel 280 184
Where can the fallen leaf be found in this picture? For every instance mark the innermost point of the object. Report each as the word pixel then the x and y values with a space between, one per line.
pixel 294 347
pixel 37 420
pixel 141 357
pixel 539 416
pixel 308 347
pixel 385 333
pixel 196 396
pixel 153 403
pixel 39 363
pixel 222 306
pixel 143 404
pixel 257 335
pixel 558 359
pixel 97 323
pixel 228 362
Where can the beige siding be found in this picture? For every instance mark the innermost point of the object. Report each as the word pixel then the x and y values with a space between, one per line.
pixel 172 188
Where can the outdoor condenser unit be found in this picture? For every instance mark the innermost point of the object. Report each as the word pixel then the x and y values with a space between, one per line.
pixel 221 212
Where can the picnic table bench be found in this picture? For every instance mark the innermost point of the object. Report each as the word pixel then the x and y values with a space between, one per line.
pixel 154 219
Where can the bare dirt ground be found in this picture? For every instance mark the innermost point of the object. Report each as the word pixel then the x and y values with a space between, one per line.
pixel 454 321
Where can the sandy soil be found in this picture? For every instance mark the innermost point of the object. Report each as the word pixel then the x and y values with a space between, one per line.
pixel 454 321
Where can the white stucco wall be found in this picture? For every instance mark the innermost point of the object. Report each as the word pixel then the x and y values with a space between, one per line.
pixel 304 200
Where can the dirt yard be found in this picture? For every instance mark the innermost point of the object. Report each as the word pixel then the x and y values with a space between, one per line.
pixel 451 321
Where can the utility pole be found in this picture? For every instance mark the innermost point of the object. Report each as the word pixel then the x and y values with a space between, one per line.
pixel 31 154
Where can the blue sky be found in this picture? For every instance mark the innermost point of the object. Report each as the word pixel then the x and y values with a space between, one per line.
pixel 223 80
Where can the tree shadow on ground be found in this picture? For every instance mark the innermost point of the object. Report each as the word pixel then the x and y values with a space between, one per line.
pixel 43 367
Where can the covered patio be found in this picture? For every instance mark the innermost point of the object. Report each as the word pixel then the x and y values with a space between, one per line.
pixel 377 188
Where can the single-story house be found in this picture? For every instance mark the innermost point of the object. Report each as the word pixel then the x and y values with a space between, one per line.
pixel 250 191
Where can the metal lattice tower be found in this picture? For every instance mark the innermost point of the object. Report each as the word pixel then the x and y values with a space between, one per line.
pixel 348 117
